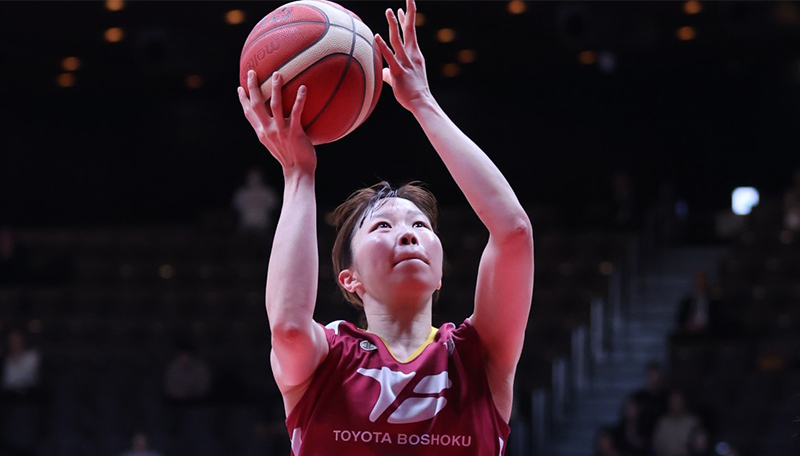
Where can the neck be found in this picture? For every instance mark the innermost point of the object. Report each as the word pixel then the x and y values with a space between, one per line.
pixel 404 326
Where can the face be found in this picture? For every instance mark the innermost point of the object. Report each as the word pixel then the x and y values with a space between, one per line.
pixel 16 342
pixel 140 442
pixel 700 441
pixel 254 177
pixel 677 403
pixel 631 410
pixel 396 254
pixel 700 282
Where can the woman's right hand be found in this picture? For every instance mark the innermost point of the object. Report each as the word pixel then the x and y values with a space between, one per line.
pixel 283 137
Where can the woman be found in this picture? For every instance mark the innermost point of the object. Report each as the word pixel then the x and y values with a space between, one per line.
pixel 400 386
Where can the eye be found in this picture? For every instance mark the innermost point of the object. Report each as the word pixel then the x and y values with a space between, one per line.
pixel 420 224
pixel 380 225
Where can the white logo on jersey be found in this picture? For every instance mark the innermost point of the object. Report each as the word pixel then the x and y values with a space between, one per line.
pixel 367 345
pixel 412 409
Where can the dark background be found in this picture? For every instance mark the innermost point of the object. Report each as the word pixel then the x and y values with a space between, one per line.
pixel 129 142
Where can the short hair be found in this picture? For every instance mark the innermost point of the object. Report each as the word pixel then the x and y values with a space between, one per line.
pixel 350 215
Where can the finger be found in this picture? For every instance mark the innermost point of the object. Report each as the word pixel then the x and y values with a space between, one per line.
pixel 387 54
pixel 297 109
pixel 410 23
pixel 387 77
pixel 256 97
pixel 276 101
pixel 252 87
pixel 394 37
pixel 242 97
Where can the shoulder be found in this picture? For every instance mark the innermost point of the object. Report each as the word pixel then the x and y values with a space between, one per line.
pixel 341 333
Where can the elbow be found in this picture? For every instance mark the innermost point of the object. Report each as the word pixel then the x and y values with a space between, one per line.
pixel 518 232
pixel 289 332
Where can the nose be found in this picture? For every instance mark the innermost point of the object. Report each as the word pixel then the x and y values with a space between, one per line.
pixel 408 238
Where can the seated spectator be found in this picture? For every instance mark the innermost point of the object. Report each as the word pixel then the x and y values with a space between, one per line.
pixel 140 446
pixel 652 399
pixel 187 379
pixel 699 313
pixel 700 443
pixel 255 203
pixel 20 369
pixel 791 205
pixel 630 435
pixel 673 430
pixel 604 443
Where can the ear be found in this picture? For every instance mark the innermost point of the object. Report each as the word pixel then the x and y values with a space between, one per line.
pixel 439 287
pixel 349 281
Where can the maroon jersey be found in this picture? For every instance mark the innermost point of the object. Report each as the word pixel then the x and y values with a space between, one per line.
pixel 362 401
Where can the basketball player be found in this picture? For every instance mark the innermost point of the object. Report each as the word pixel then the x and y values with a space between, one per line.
pixel 398 386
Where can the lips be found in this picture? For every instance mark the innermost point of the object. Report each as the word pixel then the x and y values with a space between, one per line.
pixel 411 256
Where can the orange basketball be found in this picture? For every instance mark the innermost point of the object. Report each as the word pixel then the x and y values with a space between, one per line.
pixel 325 47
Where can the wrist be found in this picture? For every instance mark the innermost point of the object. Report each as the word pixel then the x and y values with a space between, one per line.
pixel 298 174
pixel 423 103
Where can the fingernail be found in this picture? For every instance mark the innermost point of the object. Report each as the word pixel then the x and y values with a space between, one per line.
pixel 276 76
pixel 302 89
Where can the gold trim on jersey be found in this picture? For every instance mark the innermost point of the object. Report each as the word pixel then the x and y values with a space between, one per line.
pixel 416 352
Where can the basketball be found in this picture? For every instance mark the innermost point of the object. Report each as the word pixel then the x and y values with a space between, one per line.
pixel 327 48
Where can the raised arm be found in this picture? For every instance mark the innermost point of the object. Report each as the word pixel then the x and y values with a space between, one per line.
pixel 505 277
pixel 298 343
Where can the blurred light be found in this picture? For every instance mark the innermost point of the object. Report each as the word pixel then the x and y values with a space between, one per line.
pixel 65 80
pixel 194 81
pixel 686 33
pixel 420 20
pixel 466 56
pixel 606 268
pixel 692 7
pixel 786 237
pixel 450 70
pixel 113 35
pixel 166 271
pixel 234 17
pixel 517 7
pixel 743 200
pixel 35 326
pixel 115 5
pixel 587 57
pixel 787 13
pixel 607 61
pixel 446 35
pixel 71 63
pixel 722 448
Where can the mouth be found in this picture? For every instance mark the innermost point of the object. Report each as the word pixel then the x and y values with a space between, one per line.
pixel 410 258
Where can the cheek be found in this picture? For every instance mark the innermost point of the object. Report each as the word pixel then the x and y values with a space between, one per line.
pixel 434 249
pixel 372 250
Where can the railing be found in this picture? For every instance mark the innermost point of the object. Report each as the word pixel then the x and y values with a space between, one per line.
pixel 571 376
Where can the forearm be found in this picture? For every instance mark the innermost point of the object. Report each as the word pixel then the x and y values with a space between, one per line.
pixel 484 186
pixel 293 269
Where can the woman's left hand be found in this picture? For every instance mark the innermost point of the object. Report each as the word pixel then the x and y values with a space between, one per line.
pixel 406 73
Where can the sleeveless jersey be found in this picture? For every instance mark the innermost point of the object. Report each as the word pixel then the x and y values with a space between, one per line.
pixel 362 401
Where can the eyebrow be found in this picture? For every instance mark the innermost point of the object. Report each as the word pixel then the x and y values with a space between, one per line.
pixel 416 212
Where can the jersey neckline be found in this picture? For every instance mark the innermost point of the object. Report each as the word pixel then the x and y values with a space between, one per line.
pixel 414 354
